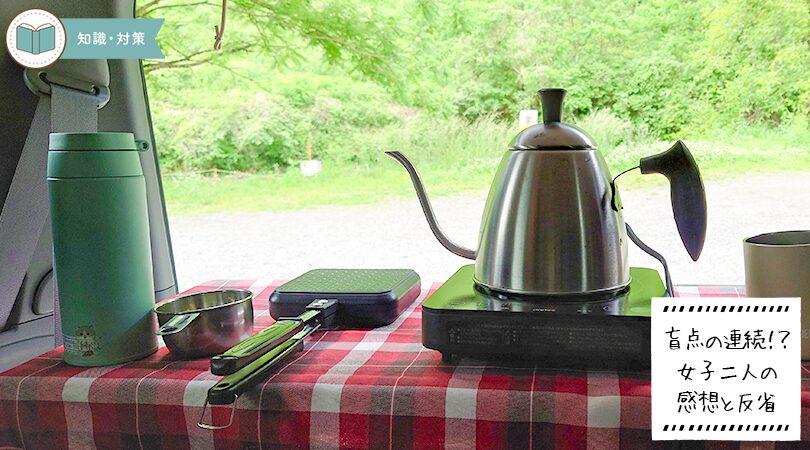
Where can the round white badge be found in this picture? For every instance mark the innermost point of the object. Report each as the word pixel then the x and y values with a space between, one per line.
pixel 35 38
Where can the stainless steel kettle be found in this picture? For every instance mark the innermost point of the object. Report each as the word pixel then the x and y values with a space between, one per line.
pixel 552 224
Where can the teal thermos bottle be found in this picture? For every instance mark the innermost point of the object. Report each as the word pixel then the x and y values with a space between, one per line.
pixel 102 251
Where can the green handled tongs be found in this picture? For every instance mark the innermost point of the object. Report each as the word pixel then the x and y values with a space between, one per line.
pixel 249 350
pixel 250 361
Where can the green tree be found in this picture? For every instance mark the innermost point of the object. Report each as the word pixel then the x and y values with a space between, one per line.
pixel 359 35
pixel 756 59
pixel 349 77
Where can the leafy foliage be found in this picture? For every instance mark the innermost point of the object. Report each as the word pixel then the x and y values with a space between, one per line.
pixel 353 78
pixel 357 34
pixel 756 59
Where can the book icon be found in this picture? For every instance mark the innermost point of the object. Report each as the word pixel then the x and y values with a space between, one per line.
pixel 36 40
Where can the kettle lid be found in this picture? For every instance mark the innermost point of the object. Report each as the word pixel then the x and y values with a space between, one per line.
pixel 552 134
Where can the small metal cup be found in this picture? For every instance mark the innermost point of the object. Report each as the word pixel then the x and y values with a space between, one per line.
pixel 778 265
pixel 206 323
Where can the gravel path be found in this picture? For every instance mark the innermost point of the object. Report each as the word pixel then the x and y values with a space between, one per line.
pixel 395 235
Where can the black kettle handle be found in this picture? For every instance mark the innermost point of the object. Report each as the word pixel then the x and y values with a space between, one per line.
pixel 686 191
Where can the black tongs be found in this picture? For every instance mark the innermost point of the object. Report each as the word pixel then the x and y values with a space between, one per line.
pixel 249 362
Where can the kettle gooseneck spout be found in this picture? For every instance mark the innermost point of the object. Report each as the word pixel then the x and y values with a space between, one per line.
pixel 428 209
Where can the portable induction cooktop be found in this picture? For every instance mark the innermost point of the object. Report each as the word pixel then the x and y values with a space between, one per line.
pixel 613 333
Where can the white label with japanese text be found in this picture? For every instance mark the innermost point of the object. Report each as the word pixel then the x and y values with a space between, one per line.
pixel 726 369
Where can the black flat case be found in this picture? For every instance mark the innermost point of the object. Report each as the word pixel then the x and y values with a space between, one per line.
pixel 367 298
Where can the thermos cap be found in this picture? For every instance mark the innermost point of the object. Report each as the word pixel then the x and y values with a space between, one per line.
pixel 93 141
pixel 94 155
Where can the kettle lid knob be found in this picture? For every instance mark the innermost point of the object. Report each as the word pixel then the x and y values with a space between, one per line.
pixel 552 134
pixel 552 101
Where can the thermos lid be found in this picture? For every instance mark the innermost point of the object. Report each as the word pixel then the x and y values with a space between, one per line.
pixel 552 134
pixel 93 141
pixel 94 155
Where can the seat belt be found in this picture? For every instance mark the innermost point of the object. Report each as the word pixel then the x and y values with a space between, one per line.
pixel 26 207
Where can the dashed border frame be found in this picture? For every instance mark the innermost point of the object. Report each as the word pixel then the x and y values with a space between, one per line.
pixel 724 308
pixel 670 428
pixel 730 427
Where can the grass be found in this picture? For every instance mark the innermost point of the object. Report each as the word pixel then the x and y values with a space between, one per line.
pixel 196 194
pixel 346 185
pixel 455 157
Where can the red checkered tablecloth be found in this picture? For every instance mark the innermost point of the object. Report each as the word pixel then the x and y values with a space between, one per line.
pixel 347 389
